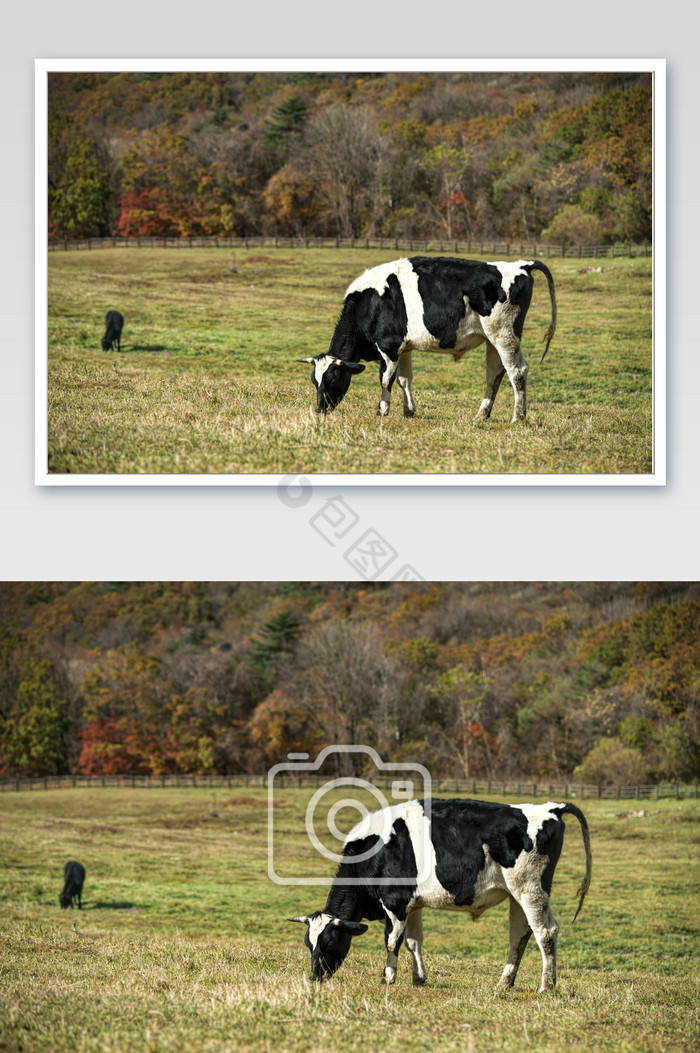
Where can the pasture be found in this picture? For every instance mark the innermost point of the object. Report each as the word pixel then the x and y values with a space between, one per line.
pixel 207 380
pixel 182 942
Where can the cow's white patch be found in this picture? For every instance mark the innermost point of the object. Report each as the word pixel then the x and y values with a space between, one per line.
pixel 389 367
pixel 417 336
pixel 537 815
pixel 404 378
pixel 380 823
pixel 397 927
pixel 321 365
pixel 316 927
pixel 525 876
pixel 491 886
pixel 510 270
pixel 377 277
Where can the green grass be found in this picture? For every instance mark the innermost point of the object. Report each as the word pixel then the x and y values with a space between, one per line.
pixel 207 380
pixel 182 942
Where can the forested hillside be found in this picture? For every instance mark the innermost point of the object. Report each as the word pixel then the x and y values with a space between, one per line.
pixel 503 680
pixel 559 157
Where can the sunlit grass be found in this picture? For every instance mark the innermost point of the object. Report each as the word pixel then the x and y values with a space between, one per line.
pixel 208 382
pixel 183 944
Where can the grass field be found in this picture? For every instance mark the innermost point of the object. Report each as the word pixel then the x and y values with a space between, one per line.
pixel 182 942
pixel 207 380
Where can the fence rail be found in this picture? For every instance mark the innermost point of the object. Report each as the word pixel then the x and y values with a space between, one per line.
pixel 522 788
pixel 481 247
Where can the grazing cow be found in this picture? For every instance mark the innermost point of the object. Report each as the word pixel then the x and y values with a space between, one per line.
pixel 73 875
pixel 462 855
pixel 115 323
pixel 431 304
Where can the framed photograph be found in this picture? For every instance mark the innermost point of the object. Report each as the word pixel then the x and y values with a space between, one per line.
pixel 360 272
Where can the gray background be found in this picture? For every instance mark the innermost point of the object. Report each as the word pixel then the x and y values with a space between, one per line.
pixel 443 533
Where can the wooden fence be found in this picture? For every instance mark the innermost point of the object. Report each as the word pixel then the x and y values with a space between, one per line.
pixel 522 788
pixel 494 249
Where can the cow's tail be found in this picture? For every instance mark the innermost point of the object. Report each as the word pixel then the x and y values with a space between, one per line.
pixel 537 265
pixel 586 883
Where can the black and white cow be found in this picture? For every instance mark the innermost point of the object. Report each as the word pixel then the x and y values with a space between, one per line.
pixel 114 322
pixel 431 304
pixel 467 855
pixel 73 878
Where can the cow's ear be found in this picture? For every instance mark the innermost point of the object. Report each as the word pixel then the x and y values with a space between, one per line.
pixel 352 367
pixel 304 919
pixel 355 928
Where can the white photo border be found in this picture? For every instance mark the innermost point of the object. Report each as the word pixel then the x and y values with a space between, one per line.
pixel 654 66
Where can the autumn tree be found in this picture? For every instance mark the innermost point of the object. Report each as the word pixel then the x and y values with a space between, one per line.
pixel 158 186
pixel 342 677
pixel 348 160
pixel 293 202
pixel 448 166
pixel 34 732
pixel 77 205
pixel 127 713
pixel 461 695
pixel 280 725
pixel 612 763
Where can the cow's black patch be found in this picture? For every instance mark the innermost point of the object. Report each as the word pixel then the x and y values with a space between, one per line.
pixel 381 320
pixel 459 831
pixel 549 841
pixel 520 293
pixel 443 284
pixel 395 860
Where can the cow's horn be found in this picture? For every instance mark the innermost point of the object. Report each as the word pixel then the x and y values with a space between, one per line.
pixel 305 360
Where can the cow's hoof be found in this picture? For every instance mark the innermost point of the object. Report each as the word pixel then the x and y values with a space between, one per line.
pixel 482 416
pixel 408 412
pixel 419 982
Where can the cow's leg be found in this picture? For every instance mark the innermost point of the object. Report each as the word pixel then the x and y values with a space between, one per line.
pixel 520 933
pixel 414 942
pixel 404 378
pixel 516 368
pixel 393 937
pixel 495 372
pixel 544 926
pixel 387 374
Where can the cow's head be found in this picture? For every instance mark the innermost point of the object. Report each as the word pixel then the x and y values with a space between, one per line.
pixel 328 939
pixel 331 377
pixel 64 900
